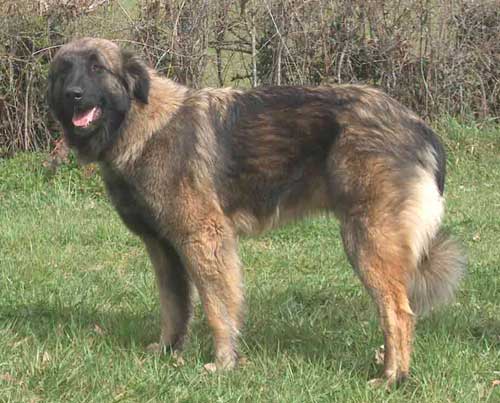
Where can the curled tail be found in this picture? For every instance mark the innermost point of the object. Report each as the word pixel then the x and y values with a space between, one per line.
pixel 438 274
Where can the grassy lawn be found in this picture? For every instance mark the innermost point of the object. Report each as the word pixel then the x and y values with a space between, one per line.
pixel 78 303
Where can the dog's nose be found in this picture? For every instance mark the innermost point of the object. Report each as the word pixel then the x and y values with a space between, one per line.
pixel 75 93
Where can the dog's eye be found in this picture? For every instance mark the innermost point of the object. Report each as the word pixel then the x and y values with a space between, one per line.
pixel 65 66
pixel 95 67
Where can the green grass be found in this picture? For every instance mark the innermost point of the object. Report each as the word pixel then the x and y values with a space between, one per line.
pixel 78 303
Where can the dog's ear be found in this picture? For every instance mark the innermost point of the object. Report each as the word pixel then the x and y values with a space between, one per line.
pixel 136 76
pixel 49 92
pixel 51 98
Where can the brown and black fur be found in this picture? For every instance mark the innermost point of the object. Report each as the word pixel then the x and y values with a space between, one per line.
pixel 190 170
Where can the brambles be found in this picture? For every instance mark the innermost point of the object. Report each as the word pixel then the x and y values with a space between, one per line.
pixel 435 57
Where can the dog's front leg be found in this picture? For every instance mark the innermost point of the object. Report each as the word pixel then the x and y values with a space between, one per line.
pixel 175 295
pixel 211 258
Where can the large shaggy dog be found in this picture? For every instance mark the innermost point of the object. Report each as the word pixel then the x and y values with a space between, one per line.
pixel 191 170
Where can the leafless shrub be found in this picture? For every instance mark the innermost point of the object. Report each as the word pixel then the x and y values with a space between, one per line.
pixel 435 57
pixel 175 37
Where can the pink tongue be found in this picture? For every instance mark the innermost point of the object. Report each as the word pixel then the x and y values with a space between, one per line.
pixel 85 118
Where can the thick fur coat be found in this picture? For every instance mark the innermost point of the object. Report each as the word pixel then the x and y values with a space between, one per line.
pixel 190 170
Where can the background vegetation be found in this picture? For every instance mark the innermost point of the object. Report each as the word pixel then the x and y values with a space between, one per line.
pixel 434 56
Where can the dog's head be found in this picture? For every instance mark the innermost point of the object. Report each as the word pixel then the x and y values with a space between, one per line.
pixel 92 84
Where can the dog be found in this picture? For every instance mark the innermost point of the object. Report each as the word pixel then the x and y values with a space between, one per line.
pixel 189 171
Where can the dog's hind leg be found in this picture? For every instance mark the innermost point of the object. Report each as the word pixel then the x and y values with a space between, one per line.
pixel 390 210
pixel 382 264
pixel 175 294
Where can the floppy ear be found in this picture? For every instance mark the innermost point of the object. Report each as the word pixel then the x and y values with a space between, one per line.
pixel 49 98
pixel 136 76
pixel 51 94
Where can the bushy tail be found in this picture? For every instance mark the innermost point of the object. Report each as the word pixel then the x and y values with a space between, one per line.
pixel 438 275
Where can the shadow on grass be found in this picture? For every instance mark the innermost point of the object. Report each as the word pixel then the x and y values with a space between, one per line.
pixel 325 326
pixel 475 328
pixel 314 325
pixel 45 321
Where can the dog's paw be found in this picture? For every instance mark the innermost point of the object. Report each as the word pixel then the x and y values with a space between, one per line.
pixel 177 359
pixel 378 383
pixel 380 355
pixel 388 381
pixel 210 368
pixel 224 365
pixel 156 348
pixel 162 349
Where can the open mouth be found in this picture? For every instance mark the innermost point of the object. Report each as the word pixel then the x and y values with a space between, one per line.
pixel 86 118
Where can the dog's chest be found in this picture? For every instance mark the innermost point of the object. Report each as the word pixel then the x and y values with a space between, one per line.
pixel 129 203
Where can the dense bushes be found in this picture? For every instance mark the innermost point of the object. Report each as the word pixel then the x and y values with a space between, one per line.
pixel 436 57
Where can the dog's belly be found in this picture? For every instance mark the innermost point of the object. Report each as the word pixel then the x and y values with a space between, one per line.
pixel 290 207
